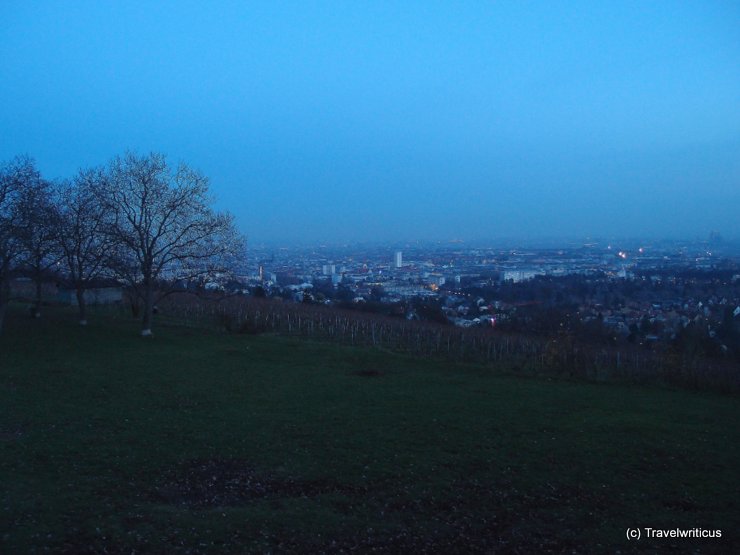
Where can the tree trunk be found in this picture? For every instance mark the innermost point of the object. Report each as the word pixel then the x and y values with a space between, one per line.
pixel 82 306
pixel 4 297
pixel 37 304
pixel 146 324
pixel 133 301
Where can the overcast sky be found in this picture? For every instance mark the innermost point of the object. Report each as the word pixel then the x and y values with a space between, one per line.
pixel 373 121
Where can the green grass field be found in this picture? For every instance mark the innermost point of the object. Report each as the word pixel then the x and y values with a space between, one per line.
pixel 199 442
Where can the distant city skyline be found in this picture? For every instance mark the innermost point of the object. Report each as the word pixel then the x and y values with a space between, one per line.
pixel 334 122
pixel 721 243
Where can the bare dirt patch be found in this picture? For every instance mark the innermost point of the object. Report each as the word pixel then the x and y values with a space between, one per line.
pixel 229 482
pixel 11 431
pixel 369 373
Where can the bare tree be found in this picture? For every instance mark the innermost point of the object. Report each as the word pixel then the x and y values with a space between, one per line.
pixel 82 232
pixel 16 175
pixel 164 228
pixel 38 230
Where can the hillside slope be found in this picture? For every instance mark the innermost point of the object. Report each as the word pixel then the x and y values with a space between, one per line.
pixel 197 442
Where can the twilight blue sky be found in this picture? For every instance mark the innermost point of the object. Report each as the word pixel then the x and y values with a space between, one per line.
pixel 369 121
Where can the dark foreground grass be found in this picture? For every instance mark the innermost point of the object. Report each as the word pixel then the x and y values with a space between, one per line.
pixel 196 442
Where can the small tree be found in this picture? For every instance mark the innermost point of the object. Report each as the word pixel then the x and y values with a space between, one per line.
pixel 164 229
pixel 38 230
pixel 15 176
pixel 82 232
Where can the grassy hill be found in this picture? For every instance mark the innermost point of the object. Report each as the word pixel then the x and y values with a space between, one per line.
pixel 199 442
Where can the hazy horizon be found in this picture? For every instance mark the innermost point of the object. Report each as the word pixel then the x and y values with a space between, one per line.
pixel 723 247
pixel 336 123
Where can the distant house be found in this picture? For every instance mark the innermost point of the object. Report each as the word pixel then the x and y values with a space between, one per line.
pixel 25 288
pixel 103 292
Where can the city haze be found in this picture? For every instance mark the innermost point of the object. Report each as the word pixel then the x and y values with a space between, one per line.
pixel 330 122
